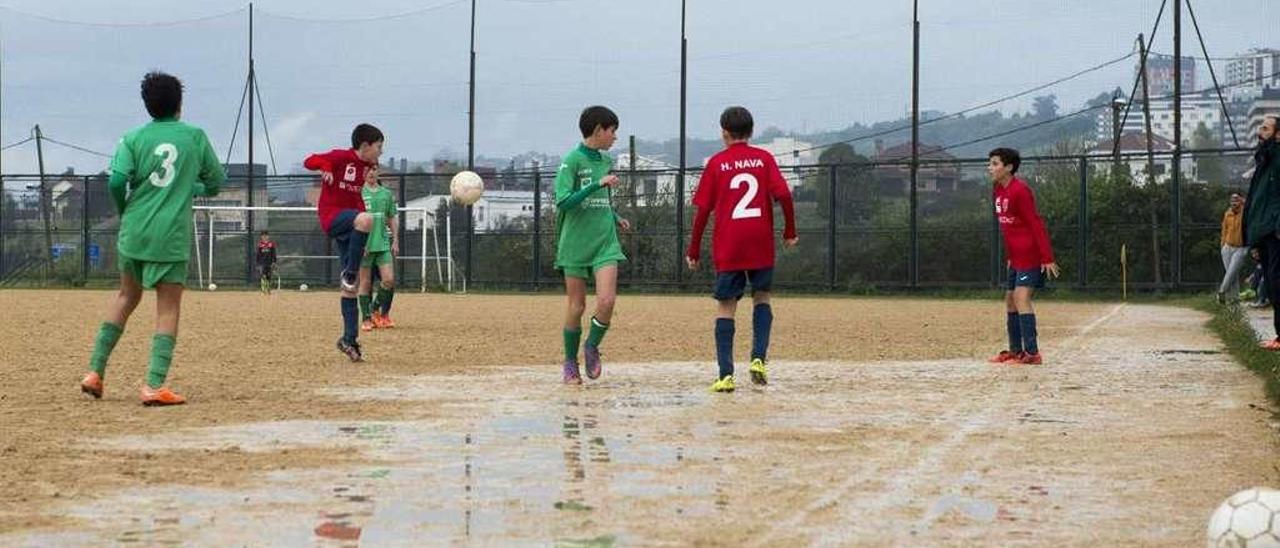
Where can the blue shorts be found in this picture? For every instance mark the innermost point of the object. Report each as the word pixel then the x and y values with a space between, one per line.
pixel 730 286
pixel 1026 278
pixel 340 230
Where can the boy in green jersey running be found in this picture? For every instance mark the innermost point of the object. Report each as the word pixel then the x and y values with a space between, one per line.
pixel 379 253
pixel 156 172
pixel 587 237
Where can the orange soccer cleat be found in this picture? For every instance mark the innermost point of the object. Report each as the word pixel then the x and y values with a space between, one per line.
pixel 160 396
pixel 92 385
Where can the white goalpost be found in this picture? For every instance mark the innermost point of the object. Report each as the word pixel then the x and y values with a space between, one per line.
pixel 444 264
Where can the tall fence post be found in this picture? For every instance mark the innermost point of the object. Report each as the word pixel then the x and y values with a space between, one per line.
pixel 249 239
pixel 537 225
pixel 84 231
pixel 1082 249
pixel 4 198
pixel 402 218
pixel 995 245
pixel 831 230
pixel 679 249
pixel 1175 218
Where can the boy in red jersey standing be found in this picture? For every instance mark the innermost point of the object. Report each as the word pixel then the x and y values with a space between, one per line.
pixel 740 184
pixel 343 218
pixel 1029 253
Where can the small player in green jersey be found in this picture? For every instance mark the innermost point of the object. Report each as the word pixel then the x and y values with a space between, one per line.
pixel 156 172
pixel 379 253
pixel 587 237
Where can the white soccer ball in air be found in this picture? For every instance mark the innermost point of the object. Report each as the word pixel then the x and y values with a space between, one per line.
pixel 302 287
pixel 466 187
pixel 213 287
pixel 1249 519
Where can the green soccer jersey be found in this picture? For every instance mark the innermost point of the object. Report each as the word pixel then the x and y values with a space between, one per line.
pixel 156 172
pixel 586 225
pixel 380 204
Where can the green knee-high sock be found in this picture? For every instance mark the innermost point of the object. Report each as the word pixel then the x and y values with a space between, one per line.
pixel 108 336
pixel 572 338
pixel 161 356
pixel 384 300
pixel 598 329
pixel 364 306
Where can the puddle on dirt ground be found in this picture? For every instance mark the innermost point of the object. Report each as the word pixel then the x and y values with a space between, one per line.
pixel 535 463
pixel 542 464
pixel 970 508
pixel 1188 352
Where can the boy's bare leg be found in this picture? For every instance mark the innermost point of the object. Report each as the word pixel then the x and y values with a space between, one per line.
pixel 118 311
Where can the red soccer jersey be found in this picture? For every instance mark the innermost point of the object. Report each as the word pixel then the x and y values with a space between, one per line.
pixel 740 184
pixel 1026 241
pixel 266 252
pixel 343 190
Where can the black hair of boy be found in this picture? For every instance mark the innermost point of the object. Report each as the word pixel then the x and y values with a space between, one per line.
pixel 596 116
pixel 1008 157
pixel 737 121
pixel 365 133
pixel 162 94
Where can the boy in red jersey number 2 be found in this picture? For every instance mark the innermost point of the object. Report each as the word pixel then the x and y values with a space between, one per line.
pixel 740 184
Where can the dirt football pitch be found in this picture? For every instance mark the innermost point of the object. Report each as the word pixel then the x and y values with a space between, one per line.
pixel 882 425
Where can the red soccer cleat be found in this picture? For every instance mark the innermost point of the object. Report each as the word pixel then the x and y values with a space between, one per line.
pixel 1005 356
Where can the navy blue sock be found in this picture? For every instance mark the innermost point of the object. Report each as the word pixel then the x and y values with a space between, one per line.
pixel 1028 322
pixel 350 314
pixel 1015 332
pixel 355 250
pixel 724 346
pixel 761 324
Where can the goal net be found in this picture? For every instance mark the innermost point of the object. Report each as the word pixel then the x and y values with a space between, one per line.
pixel 226 236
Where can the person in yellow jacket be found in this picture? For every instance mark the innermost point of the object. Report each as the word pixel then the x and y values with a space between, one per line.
pixel 1233 249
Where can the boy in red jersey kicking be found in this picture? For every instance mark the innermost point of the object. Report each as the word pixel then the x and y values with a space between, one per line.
pixel 342 217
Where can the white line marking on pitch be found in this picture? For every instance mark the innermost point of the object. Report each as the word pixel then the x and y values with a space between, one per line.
pixel 905 480
pixel 1071 342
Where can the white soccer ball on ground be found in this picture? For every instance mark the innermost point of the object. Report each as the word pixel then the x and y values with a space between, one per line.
pixel 1248 519
pixel 302 287
pixel 213 287
pixel 466 187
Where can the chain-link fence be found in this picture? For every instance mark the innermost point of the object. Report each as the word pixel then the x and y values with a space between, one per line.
pixel 854 220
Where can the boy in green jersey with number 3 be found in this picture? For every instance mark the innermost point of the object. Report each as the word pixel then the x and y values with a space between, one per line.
pixel 156 172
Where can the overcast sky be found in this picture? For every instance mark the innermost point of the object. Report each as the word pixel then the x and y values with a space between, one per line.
pixel 324 65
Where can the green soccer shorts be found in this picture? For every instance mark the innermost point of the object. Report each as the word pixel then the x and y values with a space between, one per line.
pixel 150 273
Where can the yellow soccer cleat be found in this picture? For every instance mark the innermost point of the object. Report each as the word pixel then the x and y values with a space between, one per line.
pixel 759 372
pixel 723 385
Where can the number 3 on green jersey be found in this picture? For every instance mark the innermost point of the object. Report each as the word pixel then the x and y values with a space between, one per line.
pixel 168 156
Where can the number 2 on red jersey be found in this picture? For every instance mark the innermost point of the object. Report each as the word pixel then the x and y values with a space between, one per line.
pixel 743 209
